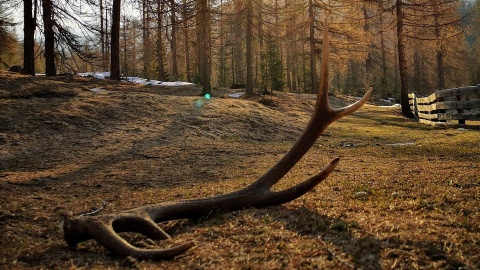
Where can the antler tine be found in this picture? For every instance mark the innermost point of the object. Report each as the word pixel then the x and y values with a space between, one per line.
pixel 104 229
pixel 323 108
pixel 107 237
pixel 297 191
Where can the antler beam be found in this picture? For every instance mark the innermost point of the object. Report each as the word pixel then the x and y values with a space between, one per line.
pixel 105 228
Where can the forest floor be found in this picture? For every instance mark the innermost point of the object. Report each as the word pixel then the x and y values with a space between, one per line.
pixel 65 147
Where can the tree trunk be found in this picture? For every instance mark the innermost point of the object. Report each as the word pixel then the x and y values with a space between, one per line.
pixel 161 70
pixel 417 70
pixel 115 42
pixel 29 41
pixel 50 69
pixel 249 49
pixel 313 58
pixel 125 48
pixel 237 46
pixel 402 63
pixel 204 57
pixel 384 57
pixel 107 40
pixel 222 76
pixel 102 35
pixel 440 50
pixel 173 43
pixel 262 80
pixel 186 41
pixel 146 38
pixel 369 60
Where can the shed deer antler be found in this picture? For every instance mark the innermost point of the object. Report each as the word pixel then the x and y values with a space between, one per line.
pixel 104 228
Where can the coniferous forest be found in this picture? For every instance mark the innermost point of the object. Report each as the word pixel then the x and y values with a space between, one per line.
pixel 262 45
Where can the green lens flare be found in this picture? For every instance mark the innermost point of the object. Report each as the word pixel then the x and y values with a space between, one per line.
pixel 207 96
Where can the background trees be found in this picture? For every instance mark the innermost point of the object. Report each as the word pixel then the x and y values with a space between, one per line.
pixel 9 44
pixel 264 45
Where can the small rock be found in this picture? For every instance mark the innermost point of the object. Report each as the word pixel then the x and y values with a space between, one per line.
pixel 361 194
pixel 395 194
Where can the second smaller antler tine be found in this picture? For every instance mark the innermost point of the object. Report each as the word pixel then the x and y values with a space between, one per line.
pixel 341 112
pixel 108 237
pixel 279 197
pixel 141 224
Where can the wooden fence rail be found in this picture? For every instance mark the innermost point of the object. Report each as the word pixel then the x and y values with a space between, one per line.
pixel 458 104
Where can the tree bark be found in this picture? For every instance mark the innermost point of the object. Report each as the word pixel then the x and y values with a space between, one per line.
pixel 125 48
pixel 238 75
pixel 402 63
pixel 186 41
pixel 313 58
pixel 173 43
pixel 249 49
pixel 384 57
pixel 146 38
pixel 115 42
pixel 161 70
pixel 205 56
pixel 50 69
pixel 102 35
pixel 222 74
pixel 440 49
pixel 369 60
pixel 29 41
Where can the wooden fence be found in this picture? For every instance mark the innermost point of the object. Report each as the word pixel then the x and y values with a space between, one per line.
pixel 443 106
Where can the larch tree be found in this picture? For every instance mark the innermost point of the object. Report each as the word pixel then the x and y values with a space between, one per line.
pixel 8 51
pixel 249 49
pixel 49 34
pixel 402 62
pixel 146 38
pixel 237 44
pixel 311 41
pixel 205 68
pixel 29 24
pixel 173 39
pixel 186 38
pixel 115 41
pixel 160 47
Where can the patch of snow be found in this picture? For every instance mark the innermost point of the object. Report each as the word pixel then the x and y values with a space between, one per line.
pixel 97 75
pixel 400 144
pixel 175 83
pixel 236 95
pixel 396 105
pixel 97 90
pixel 388 100
pixel 138 80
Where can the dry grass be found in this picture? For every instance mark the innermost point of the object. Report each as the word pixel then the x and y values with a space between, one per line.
pixel 66 148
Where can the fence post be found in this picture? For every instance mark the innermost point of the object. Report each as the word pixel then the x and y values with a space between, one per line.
pixel 442 99
pixel 460 121
pixel 415 108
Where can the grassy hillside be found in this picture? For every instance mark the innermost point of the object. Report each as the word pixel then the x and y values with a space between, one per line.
pixel 64 147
